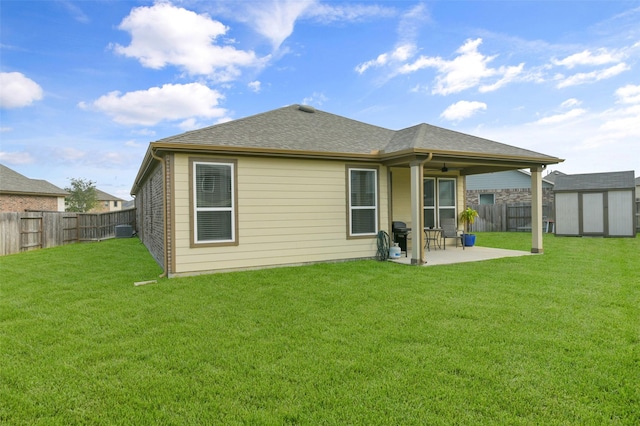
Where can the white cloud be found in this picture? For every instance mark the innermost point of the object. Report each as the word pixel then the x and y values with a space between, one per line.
pixel 75 11
pixel 190 124
pixel 327 13
pixel 408 29
pixel 255 86
pixel 601 57
pixel 276 19
pixel 411 22
pixel 570 103
pixel 164 34
pixel 629 94
pixel 466 70
pixel 134 144
pixel 144 132
pixel 593 76
pixel 169 102
pixel 559 118
pixel 509 74
pixel 316 99
pixel 17 90
pixel 69 154
pixel 16 157
pixel 420 88
pixel 400 54
pixel 622 122
pixel 462 109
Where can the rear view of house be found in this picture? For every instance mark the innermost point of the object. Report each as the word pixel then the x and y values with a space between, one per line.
pixel 297 185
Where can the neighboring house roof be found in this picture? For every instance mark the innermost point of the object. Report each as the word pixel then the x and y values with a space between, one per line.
pixel 103 196
pixel 510 179
pixel 302 131
pixel 12 182
pixel 552 176
pixel 595 181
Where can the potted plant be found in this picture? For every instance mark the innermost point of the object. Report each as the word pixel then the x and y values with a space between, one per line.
pixel 468 217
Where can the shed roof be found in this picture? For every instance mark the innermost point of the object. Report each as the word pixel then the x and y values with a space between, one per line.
pixel 595 181
pixel 12 182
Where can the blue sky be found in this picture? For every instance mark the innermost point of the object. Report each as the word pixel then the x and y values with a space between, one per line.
pixel 86 85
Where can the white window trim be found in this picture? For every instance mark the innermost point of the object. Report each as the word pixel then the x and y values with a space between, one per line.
pixel 197 209
pixel 375 206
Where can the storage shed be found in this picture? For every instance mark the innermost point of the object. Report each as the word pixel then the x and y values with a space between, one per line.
pixel 596 204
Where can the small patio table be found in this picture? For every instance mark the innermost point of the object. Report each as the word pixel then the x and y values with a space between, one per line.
pixel 433 234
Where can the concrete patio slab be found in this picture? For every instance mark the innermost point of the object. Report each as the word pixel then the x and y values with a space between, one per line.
pixel 458 255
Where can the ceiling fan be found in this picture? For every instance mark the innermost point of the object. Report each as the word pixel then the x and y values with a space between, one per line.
pixel 445 169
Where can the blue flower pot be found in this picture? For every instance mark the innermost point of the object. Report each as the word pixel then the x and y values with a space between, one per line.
pixel 469 240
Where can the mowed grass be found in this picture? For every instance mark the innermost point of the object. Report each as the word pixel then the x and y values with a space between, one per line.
pixel 551 339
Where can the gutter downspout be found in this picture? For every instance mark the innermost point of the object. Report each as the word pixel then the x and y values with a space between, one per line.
pixel 164 212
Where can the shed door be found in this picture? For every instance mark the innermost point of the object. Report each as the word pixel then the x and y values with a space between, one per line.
pixel 567 213
pixel 593 213
pixel 621 214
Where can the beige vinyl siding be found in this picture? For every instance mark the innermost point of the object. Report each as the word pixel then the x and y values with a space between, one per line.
pixel 401 194
pixel 290 211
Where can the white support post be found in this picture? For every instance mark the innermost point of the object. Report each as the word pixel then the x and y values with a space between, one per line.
pixel 536 210
pixel 417 213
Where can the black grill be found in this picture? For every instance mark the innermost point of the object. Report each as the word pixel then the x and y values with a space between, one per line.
pixel 400 232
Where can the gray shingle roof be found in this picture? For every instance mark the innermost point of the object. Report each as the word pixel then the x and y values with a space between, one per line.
pixel 13 182
pixel 103 196
pixel 435 138
pixel 595 181
pixel 291 128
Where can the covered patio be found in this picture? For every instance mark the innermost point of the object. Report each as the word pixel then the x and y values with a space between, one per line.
pixel 427 184
pixel 455 254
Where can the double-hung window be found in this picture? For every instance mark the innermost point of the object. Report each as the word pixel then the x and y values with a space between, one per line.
pixel 446 199
pixel 363 201
pixel 429 202
pixel 214 215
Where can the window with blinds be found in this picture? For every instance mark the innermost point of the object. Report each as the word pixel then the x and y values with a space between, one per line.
pixel 214 203
pixel 363 202
pixel 439 200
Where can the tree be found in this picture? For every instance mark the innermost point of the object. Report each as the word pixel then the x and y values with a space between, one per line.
pixel 82 195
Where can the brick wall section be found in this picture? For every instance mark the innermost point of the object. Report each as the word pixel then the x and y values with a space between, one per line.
pixel 21 203
pixel 150 219
pixel 509 196
pixel 169 164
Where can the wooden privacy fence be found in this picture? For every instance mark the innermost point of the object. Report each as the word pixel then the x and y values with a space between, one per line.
pixel 506 217
pixel 32 230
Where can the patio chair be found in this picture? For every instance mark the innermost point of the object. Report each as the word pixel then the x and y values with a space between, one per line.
pixel 449 230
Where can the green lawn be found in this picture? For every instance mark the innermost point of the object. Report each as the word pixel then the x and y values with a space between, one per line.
pixel 551 339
